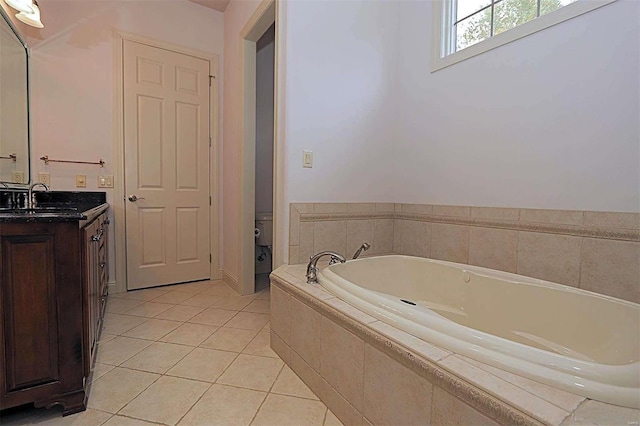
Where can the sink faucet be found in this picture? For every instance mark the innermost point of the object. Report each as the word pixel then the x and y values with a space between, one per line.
pixel 312 268
pixel 363 247
pixel 31 197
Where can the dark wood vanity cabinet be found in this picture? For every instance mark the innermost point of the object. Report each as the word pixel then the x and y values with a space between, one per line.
pixel 53 286
pixel 96 272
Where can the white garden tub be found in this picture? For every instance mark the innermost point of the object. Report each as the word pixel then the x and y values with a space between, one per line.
pixel 579 341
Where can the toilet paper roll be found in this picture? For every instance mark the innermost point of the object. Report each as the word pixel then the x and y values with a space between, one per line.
pixel 257 233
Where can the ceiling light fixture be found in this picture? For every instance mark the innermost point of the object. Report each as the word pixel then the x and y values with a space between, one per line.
pixel 25 6
pixel 33 18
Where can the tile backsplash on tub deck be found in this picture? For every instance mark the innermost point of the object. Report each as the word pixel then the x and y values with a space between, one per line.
pixel 595 251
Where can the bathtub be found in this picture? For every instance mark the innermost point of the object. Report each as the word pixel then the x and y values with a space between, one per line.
pixel 582 342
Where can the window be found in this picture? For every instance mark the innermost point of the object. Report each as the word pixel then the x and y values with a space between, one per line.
pixel 465 28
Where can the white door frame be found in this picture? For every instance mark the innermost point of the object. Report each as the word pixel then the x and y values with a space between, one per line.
pixel 118 146
pixel 265 15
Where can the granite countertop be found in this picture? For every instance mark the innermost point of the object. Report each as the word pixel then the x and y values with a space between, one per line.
pixel 58 206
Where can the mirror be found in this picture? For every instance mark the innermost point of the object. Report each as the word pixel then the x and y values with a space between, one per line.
pixel 14 106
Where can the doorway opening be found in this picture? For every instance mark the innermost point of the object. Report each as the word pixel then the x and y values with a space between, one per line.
pixel 265 73
pixel 258 26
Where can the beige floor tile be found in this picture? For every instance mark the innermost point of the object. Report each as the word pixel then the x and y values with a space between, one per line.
pixel 157 357
pixel 258 306
pixel 105 337
pixel 189 334
pixel 166 400
pixel 100 370
pixel 224 406
pixel 331 420
pixel 146 294
pixel 217 317
pixel 264 295
pixel 284 410
pixel 201 300
pixel 233 303
pixel 120 349
pixel 153 329
pixel 88 417
pixel 115 389
pixel 173 297
pixel 118 324
pixel 203 364
pixel 220 289
pixel 126 421
pixel 120 306
pixel 252 372
pixel 288 383
pixel 261 345
pixel 149 309
pixel 180 313
pixel 229 339
pixel 248 321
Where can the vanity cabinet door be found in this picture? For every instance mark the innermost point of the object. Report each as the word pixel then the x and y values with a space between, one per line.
pixel 40 316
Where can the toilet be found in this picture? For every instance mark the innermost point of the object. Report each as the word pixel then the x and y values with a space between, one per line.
pixel 264 242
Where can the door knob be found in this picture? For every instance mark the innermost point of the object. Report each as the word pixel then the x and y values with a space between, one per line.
pixel 133 198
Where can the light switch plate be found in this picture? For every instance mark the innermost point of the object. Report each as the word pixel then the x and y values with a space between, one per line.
pixel 105 181
pixel 17 177
pixel 81 181
pixel 307 159
pixel 44 178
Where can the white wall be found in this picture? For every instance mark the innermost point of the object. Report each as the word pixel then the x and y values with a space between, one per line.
pixel 549 121
pixel 264 122
pixel 340 72
pixel 236 16
pixel 72 76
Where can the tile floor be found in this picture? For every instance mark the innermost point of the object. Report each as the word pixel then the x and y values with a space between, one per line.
pixel 189 354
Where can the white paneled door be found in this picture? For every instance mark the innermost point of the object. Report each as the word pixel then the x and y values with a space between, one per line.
pixel 166 144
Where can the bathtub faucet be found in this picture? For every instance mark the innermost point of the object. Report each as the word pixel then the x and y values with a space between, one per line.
pixel 363 247
pixel 312 268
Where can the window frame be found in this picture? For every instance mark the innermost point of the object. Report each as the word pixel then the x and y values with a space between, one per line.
pixel 443 11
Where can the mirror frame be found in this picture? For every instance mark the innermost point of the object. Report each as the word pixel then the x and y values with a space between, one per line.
pixel 28 79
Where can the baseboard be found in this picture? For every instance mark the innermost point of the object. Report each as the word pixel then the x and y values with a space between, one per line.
pixel 113 288
pixel 231 280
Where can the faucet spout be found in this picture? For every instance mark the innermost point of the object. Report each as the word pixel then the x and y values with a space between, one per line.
pixel 312 268
pixel 31 197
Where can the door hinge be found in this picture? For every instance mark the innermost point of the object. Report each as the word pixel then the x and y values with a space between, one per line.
pixel 210 258
pixel 209 199
pixel 209 141
pixel 211 77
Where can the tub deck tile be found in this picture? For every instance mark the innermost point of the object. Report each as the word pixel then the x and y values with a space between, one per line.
pixel 601 414
pixel 419 346
pixel 526 401
pixel 561 399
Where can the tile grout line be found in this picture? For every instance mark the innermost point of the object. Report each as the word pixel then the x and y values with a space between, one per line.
pixel 266 395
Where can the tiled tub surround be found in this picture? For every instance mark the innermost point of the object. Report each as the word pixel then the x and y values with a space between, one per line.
pixel 370 373
pixel 595 251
